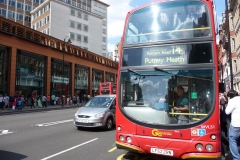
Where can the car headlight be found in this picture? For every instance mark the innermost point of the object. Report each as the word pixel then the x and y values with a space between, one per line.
pixel 100 115
pixel 76 114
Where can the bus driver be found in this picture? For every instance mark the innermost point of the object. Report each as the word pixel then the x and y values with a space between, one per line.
pixel 181 106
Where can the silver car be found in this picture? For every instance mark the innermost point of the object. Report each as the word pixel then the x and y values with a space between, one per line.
pixel 97 112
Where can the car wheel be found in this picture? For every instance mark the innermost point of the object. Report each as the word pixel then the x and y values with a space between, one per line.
pixel 109 124
pixel 78 128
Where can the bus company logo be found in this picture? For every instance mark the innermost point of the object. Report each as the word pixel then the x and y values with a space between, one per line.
pixel 198 132
pixel 157 133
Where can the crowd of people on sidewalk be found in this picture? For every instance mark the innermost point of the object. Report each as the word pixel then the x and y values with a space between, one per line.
pixel 12 102
pixel 19 102
pixel 230 122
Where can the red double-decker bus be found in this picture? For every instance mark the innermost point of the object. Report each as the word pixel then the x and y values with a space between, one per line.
pixel 108 88
pixel 168 80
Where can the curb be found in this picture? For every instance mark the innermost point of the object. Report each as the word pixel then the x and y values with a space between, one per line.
pixel 10 112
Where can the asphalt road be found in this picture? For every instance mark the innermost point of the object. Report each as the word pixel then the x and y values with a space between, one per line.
pixel 51 135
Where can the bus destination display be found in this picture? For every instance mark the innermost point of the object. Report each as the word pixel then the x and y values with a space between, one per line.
pixel 164 55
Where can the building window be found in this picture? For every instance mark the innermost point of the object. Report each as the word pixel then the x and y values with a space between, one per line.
pixel 28 8
pixel 85 48
pixel 104 31
pixel 27 19
pixel 19 16
pixel 235 65
pixel 79 26
pixel 3 12
pixel 232 23
pixel 95 3
pixel 79 5
pixel 3 1
pixel 72 35
pixel 79 37
pixel 74 3
pixel 11 14
pixel 104 47
pixel 80 14
pixel 85 16
pixel 72 23
pixel 85 27
pixel 72 12
pixel 81 78
pixel 20 5
pixel 234 44
pixel 104 23
pixel 11 3
pixel 89 1
pixel 104 39
pixel 85 39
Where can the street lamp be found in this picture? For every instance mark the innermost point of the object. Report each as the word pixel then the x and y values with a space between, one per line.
pixel 68 41
pixel 229 44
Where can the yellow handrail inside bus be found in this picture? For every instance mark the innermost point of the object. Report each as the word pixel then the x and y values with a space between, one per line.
pixel 190 114
pixel 180 30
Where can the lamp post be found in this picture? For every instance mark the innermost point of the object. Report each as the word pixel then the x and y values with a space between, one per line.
pixel 229 44
pixel 68 41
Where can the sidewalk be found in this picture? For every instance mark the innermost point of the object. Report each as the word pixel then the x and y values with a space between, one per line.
pixel 26 109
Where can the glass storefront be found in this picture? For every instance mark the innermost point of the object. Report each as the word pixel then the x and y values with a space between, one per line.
pixel 81 80
pixel 30 74
pixel 3 70
pixel 109 77
pixel 60 78
pixel 97 78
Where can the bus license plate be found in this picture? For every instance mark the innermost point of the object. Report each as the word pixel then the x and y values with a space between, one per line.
pixel 83 120
pixel 162 151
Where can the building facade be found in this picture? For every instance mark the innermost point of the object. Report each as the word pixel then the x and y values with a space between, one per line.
pixel 33 63
pixel 18 10
pixel 84 21
pixel 234 49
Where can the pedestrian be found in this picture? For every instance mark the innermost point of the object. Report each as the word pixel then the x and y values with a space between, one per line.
pixel 48 100
pixel 44 101
pixel 6 101
pixel 233 108
pixel 19 103
pixel 53 99
pixel 1 101
pixel 33 102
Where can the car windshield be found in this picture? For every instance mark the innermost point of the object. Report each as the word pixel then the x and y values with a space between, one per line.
pixel 99 102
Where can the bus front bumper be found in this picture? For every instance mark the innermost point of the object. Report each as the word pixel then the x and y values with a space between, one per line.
pixel 201 155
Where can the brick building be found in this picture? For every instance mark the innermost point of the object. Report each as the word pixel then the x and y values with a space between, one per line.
pixel 35 62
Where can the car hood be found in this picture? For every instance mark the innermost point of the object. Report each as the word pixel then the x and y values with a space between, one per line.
pixel 90 111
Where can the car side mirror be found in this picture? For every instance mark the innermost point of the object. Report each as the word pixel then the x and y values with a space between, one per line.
pixel 113 106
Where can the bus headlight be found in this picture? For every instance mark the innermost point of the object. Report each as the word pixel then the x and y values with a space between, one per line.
pixel 129 139
pixel 209 147
pixel 213 137
pixel 121 137
pixel 199 147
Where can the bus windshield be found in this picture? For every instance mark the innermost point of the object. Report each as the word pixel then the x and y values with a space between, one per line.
pixel 149 96
pixel 168 21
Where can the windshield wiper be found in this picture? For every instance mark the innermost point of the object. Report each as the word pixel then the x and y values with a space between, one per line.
pixel 158 69
pixel 143 75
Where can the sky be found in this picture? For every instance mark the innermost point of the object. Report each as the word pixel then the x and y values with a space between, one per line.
pixel 117 12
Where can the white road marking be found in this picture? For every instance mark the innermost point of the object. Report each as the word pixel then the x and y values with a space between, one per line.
pixel 54 155
pixel 2 132
pixel 53 123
